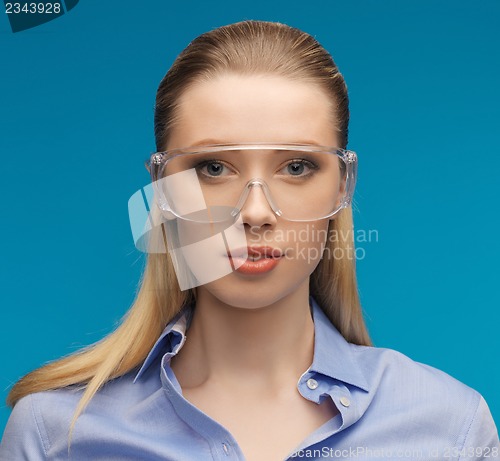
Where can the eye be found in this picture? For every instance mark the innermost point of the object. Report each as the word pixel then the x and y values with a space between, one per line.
pixel 299 168
pixel 296 168
pixel 212 168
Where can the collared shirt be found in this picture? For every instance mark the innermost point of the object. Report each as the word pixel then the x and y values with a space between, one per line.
pixel 390 407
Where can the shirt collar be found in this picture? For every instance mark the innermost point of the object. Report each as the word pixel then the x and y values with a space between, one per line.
pixel 333 355
pixel 171 340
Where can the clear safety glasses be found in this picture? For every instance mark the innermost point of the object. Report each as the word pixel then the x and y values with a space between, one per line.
pixel 212 183
pixel 198 202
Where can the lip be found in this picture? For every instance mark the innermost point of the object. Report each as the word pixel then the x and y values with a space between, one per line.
pixel 242 259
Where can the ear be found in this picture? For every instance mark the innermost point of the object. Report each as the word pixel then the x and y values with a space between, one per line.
pixel 342 189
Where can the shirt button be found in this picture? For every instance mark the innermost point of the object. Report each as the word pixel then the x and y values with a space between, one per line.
pixel 345 401
pixel 225 448
pixel 312 383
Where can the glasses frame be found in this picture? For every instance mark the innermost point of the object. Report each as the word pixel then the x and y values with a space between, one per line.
pixel 350 159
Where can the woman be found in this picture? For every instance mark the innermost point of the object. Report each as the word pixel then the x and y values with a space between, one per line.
pixel 254 350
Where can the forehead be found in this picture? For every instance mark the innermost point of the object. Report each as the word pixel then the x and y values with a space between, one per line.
pixel 236 108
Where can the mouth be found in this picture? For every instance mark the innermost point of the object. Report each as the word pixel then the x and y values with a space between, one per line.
pixel 255 260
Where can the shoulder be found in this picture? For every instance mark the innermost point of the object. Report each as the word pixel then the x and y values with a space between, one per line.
pixel 39 423
pixel 24 436
pixel 388 370
pixel 426 394
pixel 33 422
pixel 382 365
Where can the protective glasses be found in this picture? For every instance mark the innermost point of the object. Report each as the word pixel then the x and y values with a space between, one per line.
pixel 212 183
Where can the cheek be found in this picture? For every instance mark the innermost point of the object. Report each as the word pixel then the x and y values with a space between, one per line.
pixel 306 244
pixel 203 249
pixel 199 254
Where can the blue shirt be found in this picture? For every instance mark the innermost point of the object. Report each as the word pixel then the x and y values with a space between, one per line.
pixel 390 407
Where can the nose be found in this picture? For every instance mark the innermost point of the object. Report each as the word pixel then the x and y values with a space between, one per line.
pixel 256 210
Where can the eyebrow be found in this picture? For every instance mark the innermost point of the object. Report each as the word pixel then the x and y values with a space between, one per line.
pixel 205 142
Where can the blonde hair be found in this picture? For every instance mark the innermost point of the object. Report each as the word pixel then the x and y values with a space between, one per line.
pixel 248 47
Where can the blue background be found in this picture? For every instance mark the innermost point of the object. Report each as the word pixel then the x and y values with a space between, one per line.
pixel 76 117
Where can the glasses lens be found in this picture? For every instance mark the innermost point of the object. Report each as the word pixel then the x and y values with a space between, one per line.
pixel 209 186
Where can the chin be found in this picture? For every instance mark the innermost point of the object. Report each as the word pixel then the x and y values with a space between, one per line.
pixel 261 295
pixel 254 299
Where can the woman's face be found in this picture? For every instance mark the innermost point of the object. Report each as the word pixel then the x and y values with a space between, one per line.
pixel 244 109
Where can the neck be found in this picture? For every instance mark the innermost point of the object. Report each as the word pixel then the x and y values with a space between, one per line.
pixel 253 349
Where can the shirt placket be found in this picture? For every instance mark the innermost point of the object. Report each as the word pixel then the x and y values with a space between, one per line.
pixel 222 444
